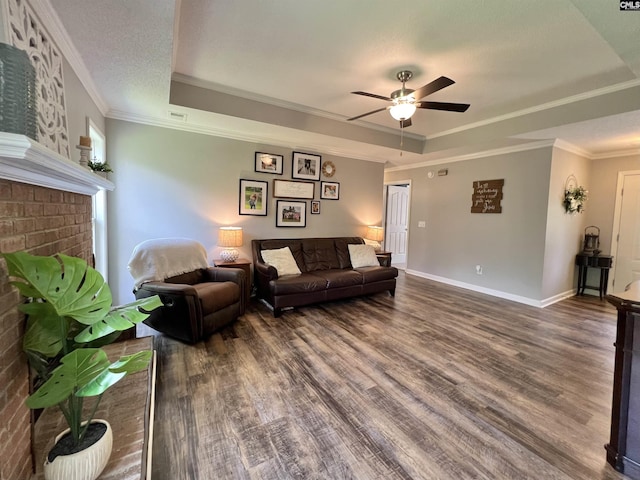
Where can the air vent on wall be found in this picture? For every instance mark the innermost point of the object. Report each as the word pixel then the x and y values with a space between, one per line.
pixel 180 117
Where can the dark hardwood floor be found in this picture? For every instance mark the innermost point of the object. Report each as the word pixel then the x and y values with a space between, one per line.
pixel 436 383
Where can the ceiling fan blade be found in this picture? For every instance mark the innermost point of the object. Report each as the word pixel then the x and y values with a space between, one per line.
pixel 405 123
pixel 429 88
pixel 373 95
pixel 449 107
pixel 368 113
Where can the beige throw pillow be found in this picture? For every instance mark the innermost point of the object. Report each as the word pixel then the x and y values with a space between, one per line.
pixel 282 260
pixel 363 256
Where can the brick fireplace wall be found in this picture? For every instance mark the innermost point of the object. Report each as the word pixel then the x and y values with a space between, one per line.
pixel 41 221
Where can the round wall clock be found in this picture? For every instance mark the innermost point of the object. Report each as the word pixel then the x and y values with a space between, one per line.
pixel 328 168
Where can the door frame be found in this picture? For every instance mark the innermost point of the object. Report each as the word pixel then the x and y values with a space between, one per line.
pixel 384 210
pixel 617 212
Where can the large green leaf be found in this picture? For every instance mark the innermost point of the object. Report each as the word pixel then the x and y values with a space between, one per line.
pixel 76 370
pixel 120 318
pixel 46 331
pixel 72 287
pixel 116 371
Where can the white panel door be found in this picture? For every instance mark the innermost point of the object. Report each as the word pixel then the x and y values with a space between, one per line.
pixel 627 258
pixel 397 219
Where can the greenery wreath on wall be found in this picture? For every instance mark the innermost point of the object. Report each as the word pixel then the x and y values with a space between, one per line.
pixel 574 199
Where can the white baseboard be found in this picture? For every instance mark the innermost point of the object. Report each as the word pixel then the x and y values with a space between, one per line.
pixel 495 293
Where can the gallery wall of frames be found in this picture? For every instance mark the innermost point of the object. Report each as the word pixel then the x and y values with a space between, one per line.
pixel 312 181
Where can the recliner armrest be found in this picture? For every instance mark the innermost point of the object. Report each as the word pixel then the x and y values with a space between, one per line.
pixel 157 288
pixel 216 274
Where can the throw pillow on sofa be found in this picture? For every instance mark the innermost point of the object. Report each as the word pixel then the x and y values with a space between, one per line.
pixel 282 260
pixel 363 256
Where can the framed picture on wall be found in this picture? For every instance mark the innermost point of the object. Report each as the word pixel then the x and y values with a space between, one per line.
pixel 269 163
pixel 291 214
pixel 330 190
pixel 305 166
pixel 315 207
pixel 253 197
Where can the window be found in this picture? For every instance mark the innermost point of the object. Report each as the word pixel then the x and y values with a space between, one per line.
pixel 99 203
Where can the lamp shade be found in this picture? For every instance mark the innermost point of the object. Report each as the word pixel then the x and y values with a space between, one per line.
pixel 402 110
pixel 375 233
pixel 230 237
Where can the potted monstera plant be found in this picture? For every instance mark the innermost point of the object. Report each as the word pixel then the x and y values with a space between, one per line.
pixel 69 318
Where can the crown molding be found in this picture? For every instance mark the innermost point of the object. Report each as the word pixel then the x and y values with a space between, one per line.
pixel 475 155
pixel 543 106
pixel 615 154
pixel 195 82
pixel 243 136
pixel 26 161
pixel 53 25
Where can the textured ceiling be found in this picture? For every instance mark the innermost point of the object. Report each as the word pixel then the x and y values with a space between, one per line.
pixel 530 70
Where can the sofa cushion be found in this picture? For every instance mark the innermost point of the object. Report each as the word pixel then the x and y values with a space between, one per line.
pixel 378 274
pixel 319 254
pixel 363 256
pixel 303 283
pixel 215 296
pixel 282 260
pixel 342 249
pixel 294 245
pixel 337 278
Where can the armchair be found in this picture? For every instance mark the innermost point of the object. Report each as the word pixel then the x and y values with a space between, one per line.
pixel 197 299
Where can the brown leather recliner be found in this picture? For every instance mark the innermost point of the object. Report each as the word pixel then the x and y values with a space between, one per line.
pixel 197 302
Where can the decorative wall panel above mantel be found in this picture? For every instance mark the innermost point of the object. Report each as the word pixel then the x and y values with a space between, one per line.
pixel 26 161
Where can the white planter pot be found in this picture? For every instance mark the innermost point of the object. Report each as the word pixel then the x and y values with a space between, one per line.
pixel 85 465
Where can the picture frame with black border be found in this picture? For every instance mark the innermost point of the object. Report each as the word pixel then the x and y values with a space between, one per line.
pixel 269 163
pixel 306 166
pixel 330 190
pixel 315 207
pixel 253 197
pixel 291 214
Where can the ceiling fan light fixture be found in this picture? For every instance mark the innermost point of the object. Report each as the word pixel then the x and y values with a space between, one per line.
pixel 402 110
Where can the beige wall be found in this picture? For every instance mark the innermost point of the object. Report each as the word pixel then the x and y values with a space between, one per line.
pixel 509 246
pixel 564 231
pixel 79 106
pixel 172 183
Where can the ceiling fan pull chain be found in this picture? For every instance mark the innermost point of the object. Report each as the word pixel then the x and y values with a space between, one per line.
pixel 401 138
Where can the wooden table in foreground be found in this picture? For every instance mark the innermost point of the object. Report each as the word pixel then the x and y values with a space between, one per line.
pixel 128 406
pixel 623 449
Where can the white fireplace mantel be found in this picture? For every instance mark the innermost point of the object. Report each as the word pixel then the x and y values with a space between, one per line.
pixel 25 160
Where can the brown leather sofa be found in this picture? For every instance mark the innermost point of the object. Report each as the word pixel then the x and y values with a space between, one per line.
pixel 326 273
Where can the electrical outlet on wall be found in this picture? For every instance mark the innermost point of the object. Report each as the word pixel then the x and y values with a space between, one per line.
pixel 422 224
pixel 479 269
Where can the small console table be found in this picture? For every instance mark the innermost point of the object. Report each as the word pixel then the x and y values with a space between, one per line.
pixel 584 262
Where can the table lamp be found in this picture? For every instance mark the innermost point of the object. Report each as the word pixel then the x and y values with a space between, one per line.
pixel 375 235
pixel 229 238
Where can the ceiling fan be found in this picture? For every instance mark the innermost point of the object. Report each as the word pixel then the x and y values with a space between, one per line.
pixel 405 101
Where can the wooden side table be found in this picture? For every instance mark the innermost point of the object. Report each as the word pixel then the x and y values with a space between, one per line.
pixel 245 265
pixel 602 262
pixel 384 258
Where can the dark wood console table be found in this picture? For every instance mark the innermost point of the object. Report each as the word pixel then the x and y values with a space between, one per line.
pixel 603 262
pixel 623 449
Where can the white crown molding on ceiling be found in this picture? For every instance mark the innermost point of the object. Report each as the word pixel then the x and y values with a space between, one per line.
pixel 543 106
pixel 54 26
pixel 482 154
pixel 616 154
pixel 240 136
pixel 255 97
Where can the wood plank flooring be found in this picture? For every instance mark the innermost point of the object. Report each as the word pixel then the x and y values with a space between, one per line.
pixel 436 383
